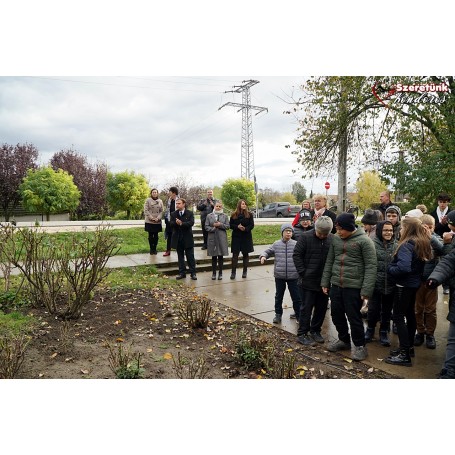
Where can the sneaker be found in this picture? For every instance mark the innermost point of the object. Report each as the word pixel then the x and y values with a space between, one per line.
pixel 338 345
pixel 419 339
pixel 359 353
pixel 277 319
pixel 317 337
pixel 293 316
pixel 306 340
pixel 430 342
pixel 446 291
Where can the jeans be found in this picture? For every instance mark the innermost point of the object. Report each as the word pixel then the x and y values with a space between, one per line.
pixel 380 309
pixel 313 302
pixel 280 287
pixel 404 307
pixel 345 305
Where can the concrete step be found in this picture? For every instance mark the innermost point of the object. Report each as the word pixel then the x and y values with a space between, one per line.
pixel 205 265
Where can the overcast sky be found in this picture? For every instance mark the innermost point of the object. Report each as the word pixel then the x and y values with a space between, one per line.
pixel 158 126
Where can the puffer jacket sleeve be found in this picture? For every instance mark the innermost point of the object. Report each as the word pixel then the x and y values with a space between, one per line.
pixel 270 251
pixel 403 262
pixel 370 267
pixel 327 273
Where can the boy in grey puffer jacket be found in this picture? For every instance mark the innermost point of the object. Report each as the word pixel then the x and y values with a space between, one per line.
pixel 284 271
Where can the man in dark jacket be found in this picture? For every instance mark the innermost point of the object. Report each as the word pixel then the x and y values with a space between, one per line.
pixel 445 272
pixel 182 222
pixel 309 257
pixel 384 197
pixel 350 274
pixel 206 206
pixel 440 214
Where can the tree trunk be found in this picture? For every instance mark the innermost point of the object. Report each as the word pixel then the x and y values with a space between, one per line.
pixel 342 171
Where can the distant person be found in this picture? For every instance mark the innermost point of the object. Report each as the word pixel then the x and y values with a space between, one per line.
pixel 216 225
pixel 241 223
pixel 406 270
pixel 320 209
pixel 153 212
pixel 369 220
pixel 306 206
pixel 284 272
pixel 384 197
pixel 305 224
pixel 440 214
pixel 393 214
pixel 182 222
pixel 349 276
pixel 309 256
pixel 206 206
pixel 170 207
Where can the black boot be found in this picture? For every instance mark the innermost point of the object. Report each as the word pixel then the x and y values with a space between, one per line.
pixel 403 358
pixel 235 260
pixel 395 352
pixel 246 261
pixel 369 333
pixel 220 267
pixel 384 338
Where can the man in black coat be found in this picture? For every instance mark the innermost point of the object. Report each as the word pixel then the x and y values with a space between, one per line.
pixel 182 222
pixel 310 254
pixel 440 214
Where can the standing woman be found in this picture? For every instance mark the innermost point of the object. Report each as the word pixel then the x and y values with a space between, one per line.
pixel 216 225
pixel 153 212
pixel 406 270
pixel 242 223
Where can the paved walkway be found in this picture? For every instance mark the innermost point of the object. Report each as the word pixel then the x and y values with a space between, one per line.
pixel 255 296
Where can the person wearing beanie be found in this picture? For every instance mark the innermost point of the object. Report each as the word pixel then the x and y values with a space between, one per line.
pixel 304 224
pixel 284 271
pixel 370 220
pixel 393 214
pixel 309 257
pixel 414 213
pixel 306 206
pixel 349 278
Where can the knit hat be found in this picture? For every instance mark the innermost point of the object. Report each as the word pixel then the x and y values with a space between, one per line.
pixel 324 225
pixel 370 217
pixel 346 221
pixel 451 217
pixel 414 213
pixel 286 226
pixel 393 208
pixel 305 215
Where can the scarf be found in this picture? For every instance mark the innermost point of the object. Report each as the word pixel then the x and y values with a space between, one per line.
pixel 441 214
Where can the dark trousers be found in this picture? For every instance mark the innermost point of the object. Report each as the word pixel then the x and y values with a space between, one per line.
pixel 153 240
pixel 380 309
pixel 280 288
pixel 168 235
pixel 345 305
pixel 404 307
pixel 189 253
pixel 313 302
pixel 204 233
pixel 220 261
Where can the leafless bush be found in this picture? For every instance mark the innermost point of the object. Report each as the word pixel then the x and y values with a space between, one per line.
pixel 6 245
pixel 284 366
pixel 12 353
pixel 66 342
pixel 123 363
pixel 190 369
pixel 196 312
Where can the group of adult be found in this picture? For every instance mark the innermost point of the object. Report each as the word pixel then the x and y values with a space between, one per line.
pixel 179 221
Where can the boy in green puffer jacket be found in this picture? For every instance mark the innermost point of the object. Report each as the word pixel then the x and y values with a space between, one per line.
pixel 350 276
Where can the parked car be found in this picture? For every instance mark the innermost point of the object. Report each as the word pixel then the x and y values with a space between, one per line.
pixel 279 209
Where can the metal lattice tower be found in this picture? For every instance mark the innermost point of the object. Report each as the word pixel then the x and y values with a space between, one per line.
pixel 247 159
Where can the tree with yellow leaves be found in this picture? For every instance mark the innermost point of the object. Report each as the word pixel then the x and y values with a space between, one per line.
pixel 368 186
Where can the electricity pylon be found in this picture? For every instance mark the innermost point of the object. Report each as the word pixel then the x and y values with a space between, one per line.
pixel 247 159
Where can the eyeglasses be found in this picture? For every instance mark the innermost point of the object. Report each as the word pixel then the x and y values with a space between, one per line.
pixel 387 230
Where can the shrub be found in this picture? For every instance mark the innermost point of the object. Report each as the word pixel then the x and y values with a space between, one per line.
pixel 123 363
pixel 196 312
pixel 190 369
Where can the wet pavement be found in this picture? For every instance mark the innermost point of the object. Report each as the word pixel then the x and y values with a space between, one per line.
pixel 254 296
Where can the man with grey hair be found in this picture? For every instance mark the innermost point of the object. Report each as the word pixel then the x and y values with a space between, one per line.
pixel 309 258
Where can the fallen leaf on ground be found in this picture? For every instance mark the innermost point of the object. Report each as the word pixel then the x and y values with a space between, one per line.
pixel 167 356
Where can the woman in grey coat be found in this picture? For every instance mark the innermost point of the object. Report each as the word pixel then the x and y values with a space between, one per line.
pixel 216 225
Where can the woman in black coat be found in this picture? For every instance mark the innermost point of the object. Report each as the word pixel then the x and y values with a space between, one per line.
pixel 241 223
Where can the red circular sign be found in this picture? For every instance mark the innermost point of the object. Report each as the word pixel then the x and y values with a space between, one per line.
pixel 327 185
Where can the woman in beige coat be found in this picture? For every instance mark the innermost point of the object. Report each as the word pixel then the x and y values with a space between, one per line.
pixel 153 212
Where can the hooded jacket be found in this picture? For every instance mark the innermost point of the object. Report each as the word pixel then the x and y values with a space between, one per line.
pixel 396 228
pixel 384 255
pixel 351 263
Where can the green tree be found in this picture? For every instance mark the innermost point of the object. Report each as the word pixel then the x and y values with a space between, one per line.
pixel 288 197
pixel 47 191
pixel 127 191
pixel 299 192
pixel 368 186
pixel 234 189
